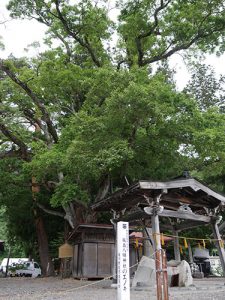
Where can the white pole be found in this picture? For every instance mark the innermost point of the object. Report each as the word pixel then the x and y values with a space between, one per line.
pixel 123 271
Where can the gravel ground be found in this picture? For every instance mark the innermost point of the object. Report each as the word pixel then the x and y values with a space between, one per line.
pixel 68 289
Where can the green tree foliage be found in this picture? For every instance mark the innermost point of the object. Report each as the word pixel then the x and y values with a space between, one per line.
pixel 148 30
pixel 155 30
pixel 88 113
pixel 208 90
pixel 205 87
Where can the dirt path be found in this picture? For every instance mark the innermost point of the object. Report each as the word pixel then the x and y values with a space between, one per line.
pixel 68 289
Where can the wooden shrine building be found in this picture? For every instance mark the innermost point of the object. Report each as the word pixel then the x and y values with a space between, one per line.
pixel 93 250
pixel 175 205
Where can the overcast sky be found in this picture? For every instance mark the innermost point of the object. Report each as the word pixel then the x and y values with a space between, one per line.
pixel 18 34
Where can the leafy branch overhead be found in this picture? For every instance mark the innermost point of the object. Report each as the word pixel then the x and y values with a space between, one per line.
pixel 147 30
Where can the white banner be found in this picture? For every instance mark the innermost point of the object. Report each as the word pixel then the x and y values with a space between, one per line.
pixel 123 271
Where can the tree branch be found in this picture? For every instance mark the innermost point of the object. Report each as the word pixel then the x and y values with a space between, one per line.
pixel 34 97
pixel 104 188
pixel 68 50
pixel 156 21
pixel 84 43
pixel 119 64
pixel 22 146
pixel 177 48
pixel 152 30
pixel 30 115
pixel 165 54
pixel 69 216
pixel 50 211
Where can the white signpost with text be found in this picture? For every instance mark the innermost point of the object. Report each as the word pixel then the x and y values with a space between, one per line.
pixel 123 271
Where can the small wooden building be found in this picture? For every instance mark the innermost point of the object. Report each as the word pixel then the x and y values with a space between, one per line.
pixel 93 252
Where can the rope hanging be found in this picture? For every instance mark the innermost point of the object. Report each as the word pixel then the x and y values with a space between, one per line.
pixel 201 242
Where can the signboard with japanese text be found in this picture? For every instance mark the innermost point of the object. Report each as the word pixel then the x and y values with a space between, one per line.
pixel 123 271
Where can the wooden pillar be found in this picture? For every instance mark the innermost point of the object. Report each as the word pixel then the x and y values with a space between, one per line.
pixel 165 276
pixel 176 246
pixel 190 254
pixel 148 243
pixel 220 249
pixel 154 232
pixel 158 258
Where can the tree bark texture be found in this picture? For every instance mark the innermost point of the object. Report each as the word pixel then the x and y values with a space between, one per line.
pixel 45 260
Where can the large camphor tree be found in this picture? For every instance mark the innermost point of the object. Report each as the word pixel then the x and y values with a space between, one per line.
pixel 99 108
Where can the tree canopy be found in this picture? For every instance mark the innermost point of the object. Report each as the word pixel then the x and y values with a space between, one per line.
pixel 93 112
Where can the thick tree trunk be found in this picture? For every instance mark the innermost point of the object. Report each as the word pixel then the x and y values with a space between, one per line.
pixel 45 260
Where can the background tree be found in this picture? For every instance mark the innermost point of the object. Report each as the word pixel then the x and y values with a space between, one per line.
pixel 208 90
pixel 205 87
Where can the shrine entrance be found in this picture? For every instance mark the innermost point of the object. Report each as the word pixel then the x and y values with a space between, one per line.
pixel 174 206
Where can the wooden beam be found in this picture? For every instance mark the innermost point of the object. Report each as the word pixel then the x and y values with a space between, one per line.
pixel 189 224
pixel 182 183
pixel 138 215
pixel 178 214
pixel 182 226
pixel 197 201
